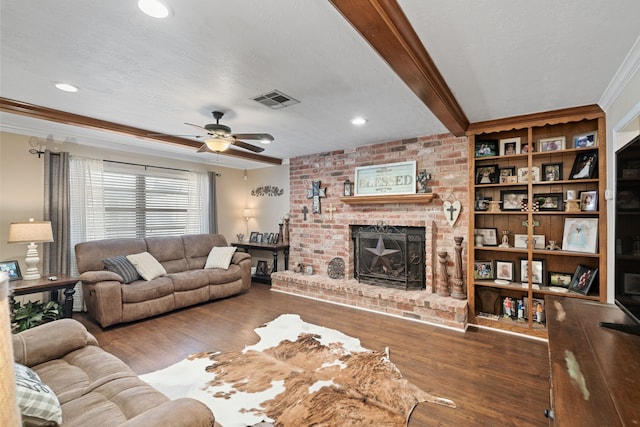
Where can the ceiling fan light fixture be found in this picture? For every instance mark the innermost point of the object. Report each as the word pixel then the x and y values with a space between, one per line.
pixel 217 144
pixel 265 141
pixel 66 87
pixel 153 8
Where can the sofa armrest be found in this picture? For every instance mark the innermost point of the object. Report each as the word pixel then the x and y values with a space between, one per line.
pixel 50 341
pixel 238 257
pixel 100 276
pixel 183 412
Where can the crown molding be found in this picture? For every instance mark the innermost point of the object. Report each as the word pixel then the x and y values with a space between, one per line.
pixel 630 66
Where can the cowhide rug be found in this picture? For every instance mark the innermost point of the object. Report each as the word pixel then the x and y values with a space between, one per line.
pixel 298 374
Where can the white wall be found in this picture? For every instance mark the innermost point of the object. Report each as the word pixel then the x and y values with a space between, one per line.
pixel 22 188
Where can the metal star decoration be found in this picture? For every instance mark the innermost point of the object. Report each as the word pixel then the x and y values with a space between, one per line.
pixel 381 253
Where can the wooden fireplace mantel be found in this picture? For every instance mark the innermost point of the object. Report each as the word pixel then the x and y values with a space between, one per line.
pixel 385 198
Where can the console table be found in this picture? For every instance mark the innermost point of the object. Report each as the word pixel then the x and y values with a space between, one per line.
pixel 274 248
pixel 594 370
pixel 44 284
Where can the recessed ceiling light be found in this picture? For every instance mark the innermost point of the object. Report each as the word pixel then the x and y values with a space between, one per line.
pixel 66 87
pixel 359 121
pixel 153 8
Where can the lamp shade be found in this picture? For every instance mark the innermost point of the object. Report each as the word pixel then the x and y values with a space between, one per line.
pixel 247 213
pixel 30 231
pixel 217 144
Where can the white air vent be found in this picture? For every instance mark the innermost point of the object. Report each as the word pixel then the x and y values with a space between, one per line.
pixel 275 100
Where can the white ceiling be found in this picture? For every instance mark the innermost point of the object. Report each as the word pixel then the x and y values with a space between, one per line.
pixel 499 57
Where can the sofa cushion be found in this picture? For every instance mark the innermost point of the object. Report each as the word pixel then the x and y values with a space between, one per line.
pixel 121 265
pixel 148 267
pixel 35 398
pixel 189 280
pixel 220 257
pixel 149 290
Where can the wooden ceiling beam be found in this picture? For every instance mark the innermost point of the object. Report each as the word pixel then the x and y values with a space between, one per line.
pixel 385 26
pixel 58 116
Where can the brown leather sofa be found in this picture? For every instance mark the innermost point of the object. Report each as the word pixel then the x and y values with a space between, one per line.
pixel 110 301
pixel 94 387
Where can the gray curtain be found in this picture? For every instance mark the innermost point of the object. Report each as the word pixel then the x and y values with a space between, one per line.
pixel 56 256
pixel 213 204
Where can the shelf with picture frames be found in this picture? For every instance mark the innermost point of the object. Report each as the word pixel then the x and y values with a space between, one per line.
pixel 538 182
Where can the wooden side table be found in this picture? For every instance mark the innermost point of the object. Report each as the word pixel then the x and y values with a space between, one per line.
pixel 43 284
pixel 274 248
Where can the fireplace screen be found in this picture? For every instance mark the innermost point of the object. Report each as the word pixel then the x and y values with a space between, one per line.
pixel 389 256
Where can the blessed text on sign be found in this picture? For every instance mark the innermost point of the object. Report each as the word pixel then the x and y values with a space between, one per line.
pixel 392 178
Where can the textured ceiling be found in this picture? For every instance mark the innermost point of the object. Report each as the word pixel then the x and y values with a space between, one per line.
pixel 500 58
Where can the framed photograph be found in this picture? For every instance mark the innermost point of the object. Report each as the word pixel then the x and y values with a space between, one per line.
pixel 549 201
pixel 537 308
pixel 12 268
pixel 539 241
pixel 512 199
pixel 253 237
pixel 487 174
pixel 482 203
pixel 259 237
pixel 580 235
pixel 582 279
pixel 560 280
pixel 509 146
pixel 526 147
pixel 390 178
pixel 490 236
pixel 586 140
pixel 589 200
pixel 276 237
pixel 631 283
pixel 504 270
pixel 486 148
pixel 504 173
pixel 537 271
pixel 628 200
pixel 262 269
pixel 585 165
pixel 552 171
pixel 552 144
pixel 524 175
pixel 483 270
pixel 520 241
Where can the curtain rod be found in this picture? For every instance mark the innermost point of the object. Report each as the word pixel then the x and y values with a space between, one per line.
pixel 150 166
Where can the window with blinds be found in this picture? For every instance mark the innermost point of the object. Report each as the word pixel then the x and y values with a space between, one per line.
pixel 142 202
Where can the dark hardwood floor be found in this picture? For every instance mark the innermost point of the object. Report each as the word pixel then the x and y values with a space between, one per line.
pixel 495 379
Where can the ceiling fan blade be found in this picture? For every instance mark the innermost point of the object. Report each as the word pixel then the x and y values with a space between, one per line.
pixel 247 146
pixel 254 136
pixel 171 134
pixel 197 126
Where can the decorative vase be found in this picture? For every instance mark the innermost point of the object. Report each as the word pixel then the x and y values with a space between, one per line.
pixel 479 240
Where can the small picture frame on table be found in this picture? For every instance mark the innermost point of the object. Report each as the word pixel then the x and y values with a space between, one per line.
pixel 585 140
pixel 253 237
pixel 490 236
pixel 537 271
pixel 487 174
pixel 552 144
pixel 631 283
pixel 512 199
pixel 486 148
pixel 505 173
pixel 483 270
pixel 504 270
pixel 560 280
pixel 552 171
pixel 509 146
pixel 585 165
pixel 582 279
pixel 12 268
pixel 589 200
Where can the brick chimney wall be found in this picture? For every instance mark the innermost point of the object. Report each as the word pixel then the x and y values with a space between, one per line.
pixel 319 239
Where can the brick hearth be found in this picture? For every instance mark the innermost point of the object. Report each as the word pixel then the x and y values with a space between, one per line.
pixel 420 305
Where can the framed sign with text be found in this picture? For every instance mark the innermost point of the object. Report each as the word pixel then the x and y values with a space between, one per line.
pixel 390 178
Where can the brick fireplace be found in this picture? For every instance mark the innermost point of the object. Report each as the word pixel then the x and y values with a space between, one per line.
pixel 327 235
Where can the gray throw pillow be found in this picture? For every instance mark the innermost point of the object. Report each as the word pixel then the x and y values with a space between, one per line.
pixel 35 398
pixel 122 266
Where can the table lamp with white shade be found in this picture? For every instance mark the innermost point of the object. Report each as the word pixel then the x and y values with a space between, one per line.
pixel 31 232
